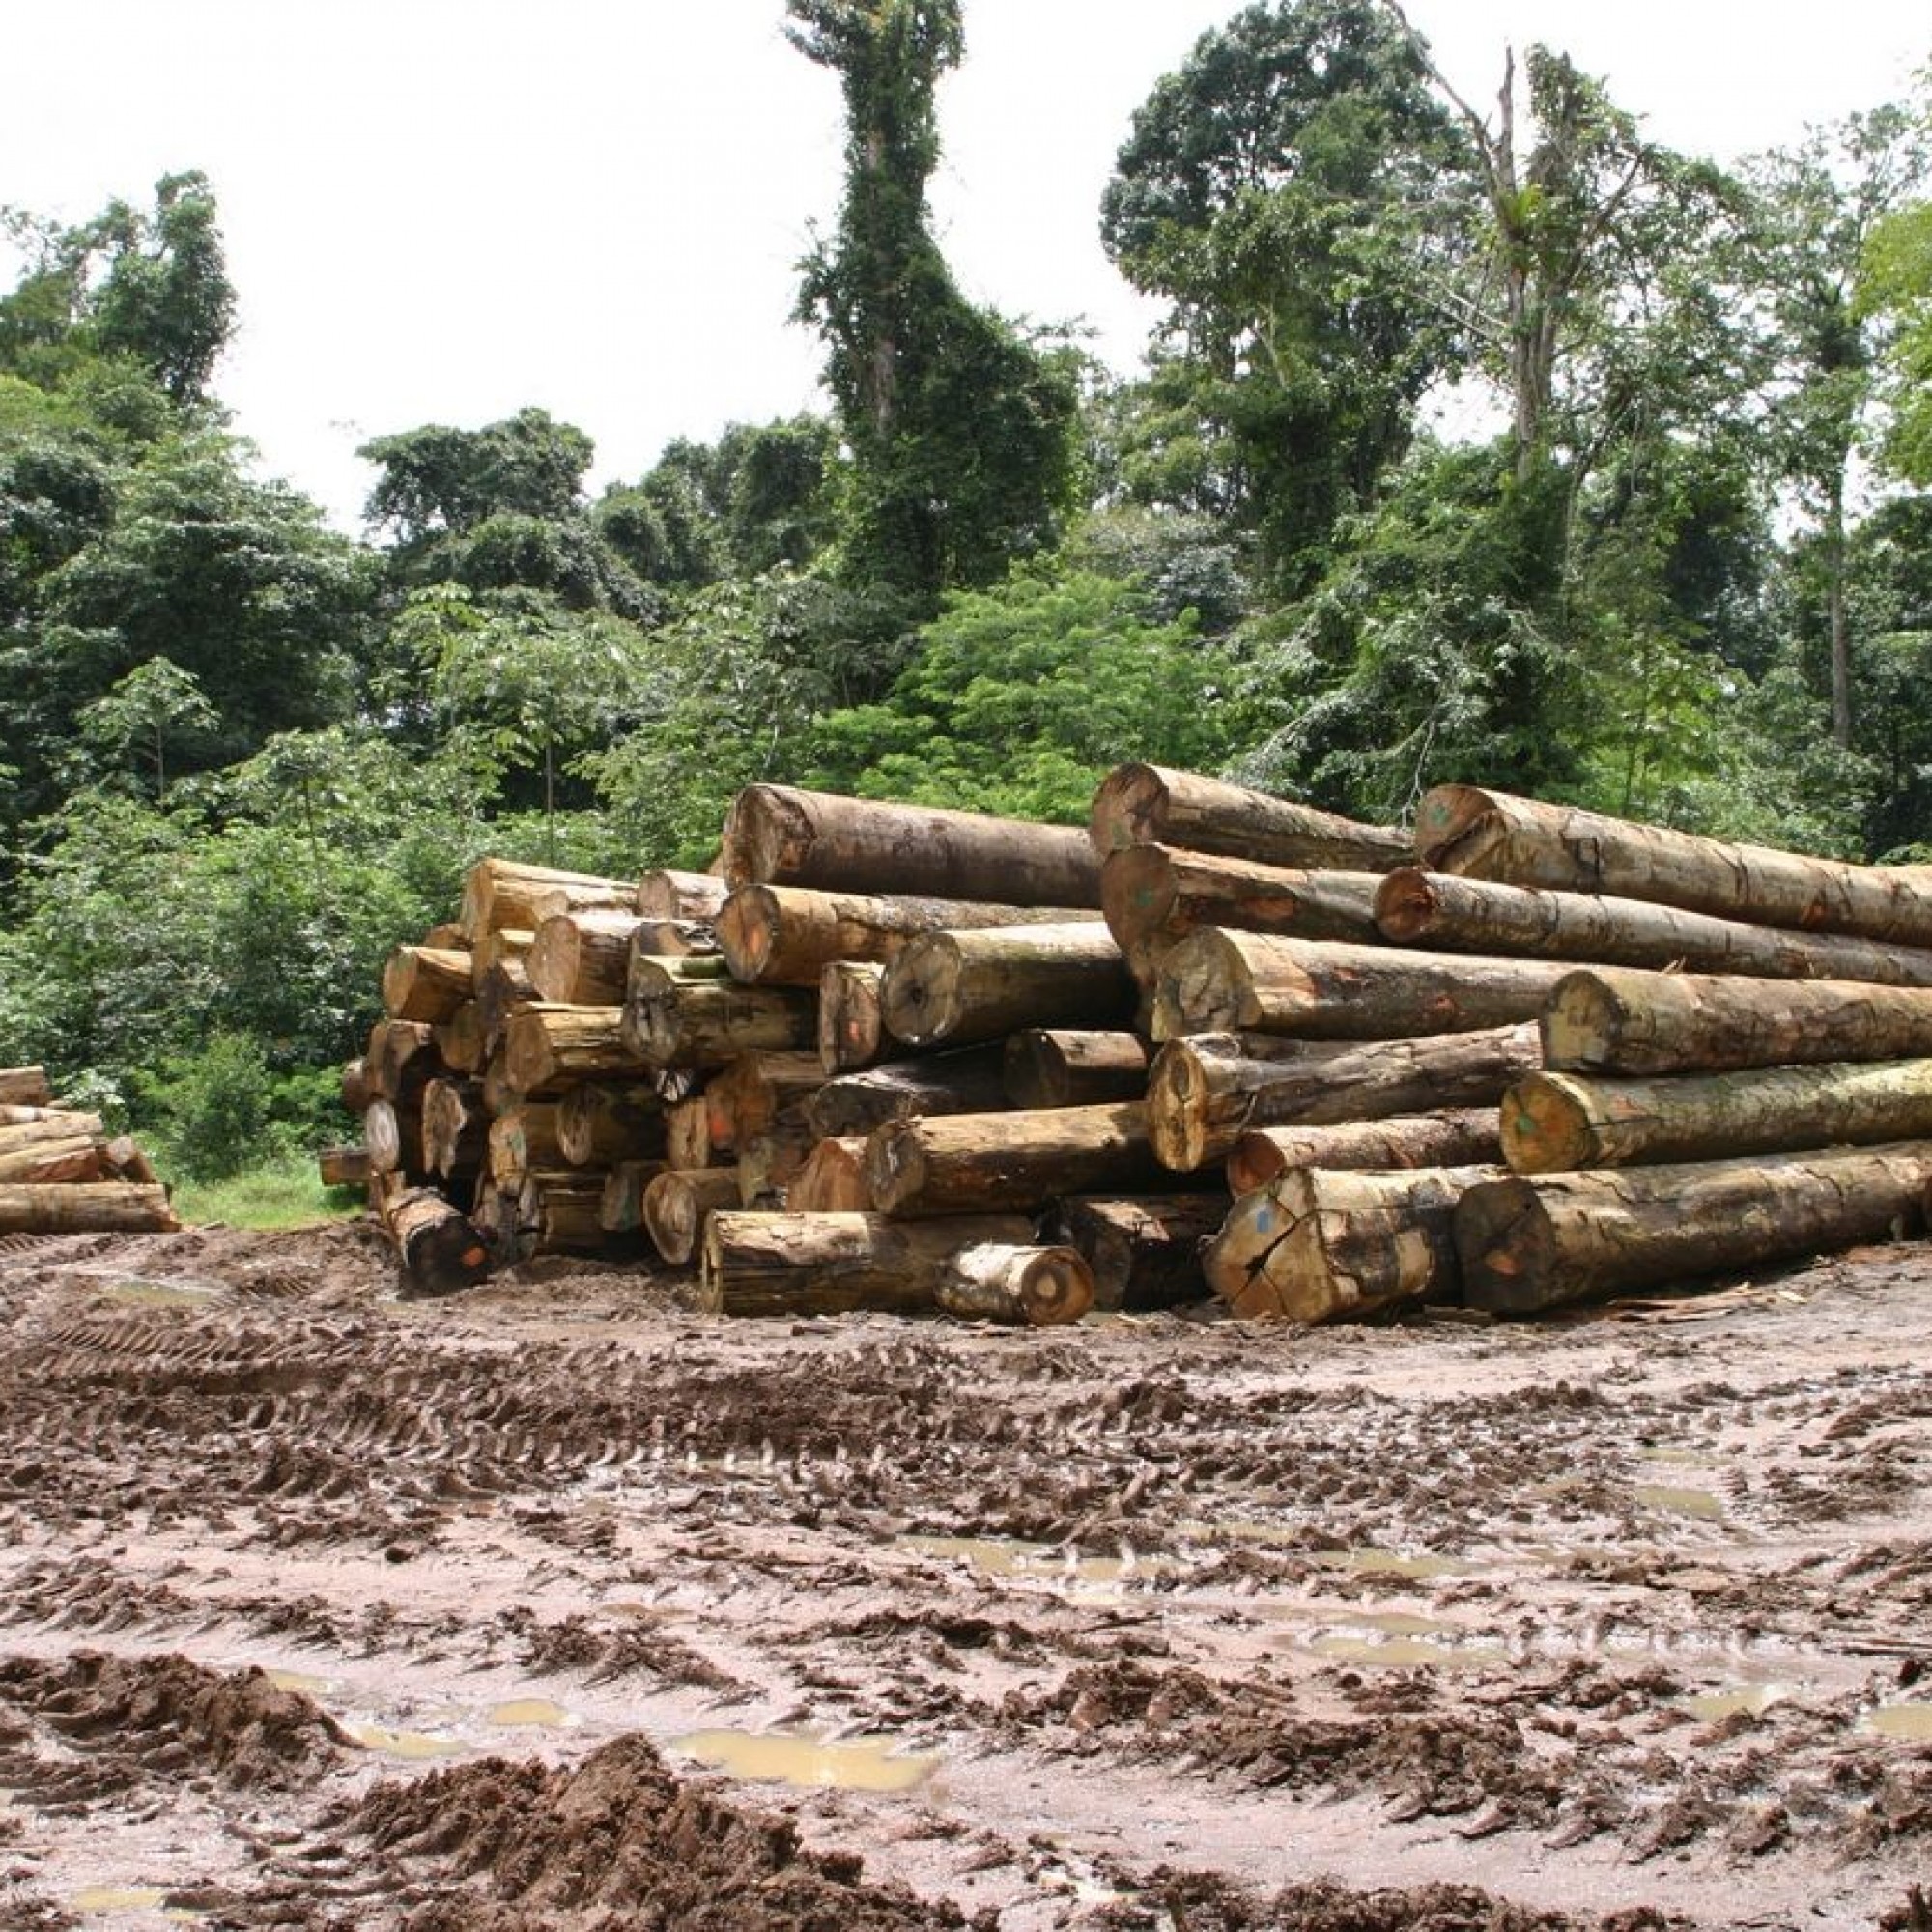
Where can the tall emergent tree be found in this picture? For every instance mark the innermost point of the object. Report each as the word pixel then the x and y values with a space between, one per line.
pixel 960 430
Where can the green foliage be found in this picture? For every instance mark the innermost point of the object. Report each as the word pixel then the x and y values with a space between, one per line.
pixel 274 1194
pixel 220 1110
pixel 1897 285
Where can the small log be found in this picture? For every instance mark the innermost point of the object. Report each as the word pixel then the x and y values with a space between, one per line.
pixel 1073 1066
pixel 621 1208
pixel 601 1122
pixel 748 1097
pixel 96 1208
pixel 459 1039
pixel 425 982
pixel 503 993
pixel 26 1087
pixel 509 948
pixel 1207 1091
pixel 959 988
pixel 126 1162
pixel 582 958
pixel 563 1211
pixel 1154 895
pixel 1151 805
pixel 1555 1121
pixel 653 972
pixel 965 1082
pixel 522 1139
pixel 851 1018
pixel 392 1135
pixel 989 1163
pixel 46 1126
pixel 449 936
pixel 1020 1287
pixel 1465 1137
pixel 343 1166
pixel 1490 835
pixel 400 1059
pixel 549 1047
pixel 1143 1251
pixel 779 836
pixel 1441 911
pixel 455 1127
pixel 674 1021
pixel 680 896
pixel 833 1179
pixel 440 1249
pixel 771 1160
pixel 677 1206
pixel 1530 1244
pixel 788 935
pixel 58 1157
pixel 1322 1245
pixel 678 939
pixel 687 1134
pixel 1215 981
pixel 353 1084
pixel 1615 1020
pixel 500 894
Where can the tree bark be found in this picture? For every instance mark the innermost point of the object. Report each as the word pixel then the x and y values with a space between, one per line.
pixel 680 896
pixel 1152 805
pixel 1072 1066
pixel 1322 1245
pixel 964 1082
pixel 833 1179
pixel 97 1208
pixel 959 988
pixel 1215 981
pixel 26 1087
pixel 601 1121
pixel 1555 1121
pixel 775 835
pixel 1440 910
pixel 677 1204
pixel 1154 895
pixel 851 1018
pixel 1489 835
pixel 1616 1021
pixel 425 982
pixel 1020 1287
pixel 769 1160
pixel 1528 1245
pixel 548 1047
pixel 984 1163
pixel 1209 1088
pixel 1143 1251
pixel 1465 1136
pixel 674 1022
pixel 440 1249
pixel 582 958
pixel 502 893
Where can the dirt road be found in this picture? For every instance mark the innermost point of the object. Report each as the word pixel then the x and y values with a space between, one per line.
pixel 318 1608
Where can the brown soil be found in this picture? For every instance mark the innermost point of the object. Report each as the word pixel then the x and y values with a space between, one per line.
pixel 322 1608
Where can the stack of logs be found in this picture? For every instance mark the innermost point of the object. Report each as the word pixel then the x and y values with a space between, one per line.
pixel 61 1172
pixel 899 1058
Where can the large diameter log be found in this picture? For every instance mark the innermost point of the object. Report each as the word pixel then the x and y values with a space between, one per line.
pixel 1151 805
pixel 1207 1091
pixel 400 1059
pixel 1323 1245
pixel 1073 1066
pixel 1021 1286
pixel 599 1122
pixel 48 1124
pixel 524 1139
pixel 1619 1020
pixel 69 1159
pixel 851 1018
pixel 832 1264
pixel 459 1039
pixel 965 1082
pixel 550 1046
pixel 502 893
pixel 667 894
pixel 1490 835
pixel 91 1207
pixel 563 1212
pixel 353 1084
pixel 1443 911
pixel 438 1247
pixel 1457 1137
pixel 582 958
pixel 668 1021
pixel 1555 1121
pixel 1154 895
pixel 620 1209
pixel 425 982
pixel 677 1206
pixel 983 1163
pixel 833 1179
pixel 751 1094
pixel 455 1126
pixel 1143 1251
pixel 26 1087
pixel 392 1134
pixel 1215 981
pixel 1529 1244
pixel 509 948
pixel 503 993
pixel 775 835
pixel 788 935
pixel 959 988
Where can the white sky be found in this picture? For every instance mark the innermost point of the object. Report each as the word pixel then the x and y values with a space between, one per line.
pixel 442 211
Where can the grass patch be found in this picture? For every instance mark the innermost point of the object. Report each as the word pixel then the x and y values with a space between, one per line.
pixel 285 1193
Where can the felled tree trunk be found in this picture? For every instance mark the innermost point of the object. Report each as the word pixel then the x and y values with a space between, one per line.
pixel 1215 981
pixel 677 939
pixel 1319 1244
pixel 851 1018
pixel 87 1207
pixel 769 1160
pixel 1073 1066
pixel 343 1166
pixel 1151 805
pixel 459 1039
pixel 1143 1251
pixel 677 1204
pixel 455 1127
pixel 1555 1121
pixel 965 1082
pixel 26 1087
pixel 687 1134
pixel 704 1022
pixel 1437 909
pixel 1617 1020
pixel 775 835
pixel 1209 1090
pixel 354 1087
pixel 425 982
pixel 57 1156
pixel 400 1059
pixel 563 1209
pixel 746 1097
pixel 833 1179
pixel 582 958
pixel 524 1139
pixel 982 1163
pixel 959 988
pixel 501 893
pixel 549 1047
pixel 620 1210
pixel 1459 1137
pixel 439 1250
pixel 601 1122
pixel 392 1135
pixel 1529 1245
pixel 680 896
pixel 1019 1287
pixel 1490 835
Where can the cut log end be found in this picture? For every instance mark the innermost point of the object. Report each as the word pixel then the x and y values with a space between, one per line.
pixel 1545 1126
pixel 1506 1246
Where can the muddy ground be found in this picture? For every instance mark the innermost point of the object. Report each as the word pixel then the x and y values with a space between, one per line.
pixel 552 1605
